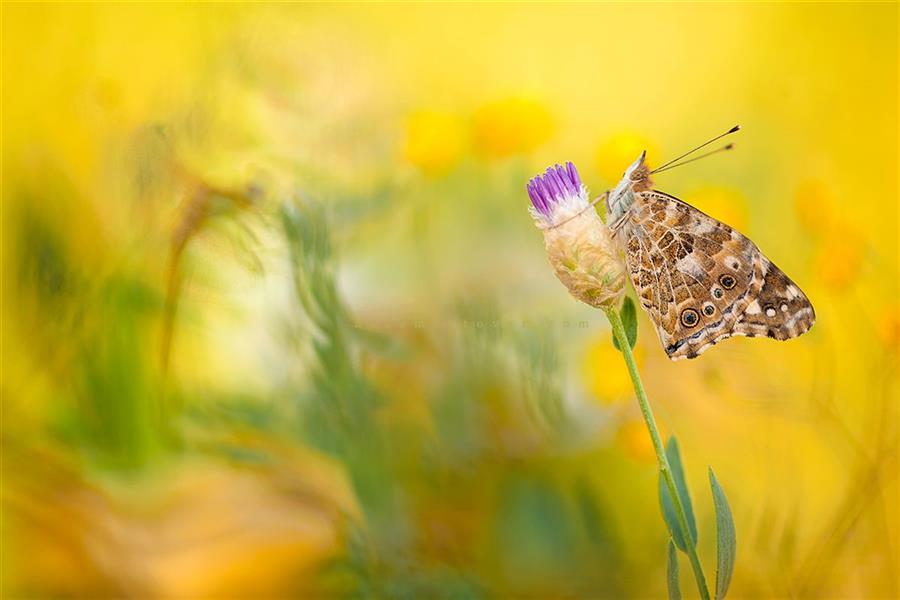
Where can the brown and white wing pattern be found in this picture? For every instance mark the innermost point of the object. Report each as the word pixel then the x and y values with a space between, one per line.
pixel 701 281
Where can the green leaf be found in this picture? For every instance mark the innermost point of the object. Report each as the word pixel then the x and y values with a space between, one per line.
pixel 668 506
pixel 672 572
pixel 726 542
pixel 628 314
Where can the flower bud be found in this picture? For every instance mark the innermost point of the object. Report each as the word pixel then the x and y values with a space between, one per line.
pixel 579 245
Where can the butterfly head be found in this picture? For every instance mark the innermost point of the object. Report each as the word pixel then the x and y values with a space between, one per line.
pixel 637 176
pixel 636 179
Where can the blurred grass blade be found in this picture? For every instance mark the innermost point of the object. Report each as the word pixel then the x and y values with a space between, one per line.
pixel 726 543
pixel 665 500
pixel 672 572
pixel 628 314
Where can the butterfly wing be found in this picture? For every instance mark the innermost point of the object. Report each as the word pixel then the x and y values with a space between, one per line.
pixel 701 281
pixel 780 310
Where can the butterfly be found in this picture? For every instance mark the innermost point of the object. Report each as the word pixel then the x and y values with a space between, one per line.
pixel 699 280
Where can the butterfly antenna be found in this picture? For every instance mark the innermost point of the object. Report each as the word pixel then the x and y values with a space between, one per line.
pixel 722 149
pixel 703 145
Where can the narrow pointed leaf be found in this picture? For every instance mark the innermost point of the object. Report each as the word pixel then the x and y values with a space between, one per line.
pixel 628 314
pixel 726 542
pixel 665 500
pixel 672 572
pixel 670 516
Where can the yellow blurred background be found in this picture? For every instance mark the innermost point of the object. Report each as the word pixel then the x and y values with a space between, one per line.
pixel 276 322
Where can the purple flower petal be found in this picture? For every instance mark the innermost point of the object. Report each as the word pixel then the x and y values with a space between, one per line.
pixel 535 196
pixel 541 194
pixel 556 184
pixel 564 177
pixel 552 186
pixel 547 184
pixel 535 192
pixel 573 175
pixel 560 182
pixel 555 175
pixel 534 199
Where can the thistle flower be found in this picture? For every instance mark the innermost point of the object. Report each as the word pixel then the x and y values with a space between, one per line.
pixel 583 255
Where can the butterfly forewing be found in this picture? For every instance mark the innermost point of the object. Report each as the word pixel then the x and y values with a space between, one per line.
pixel 700 281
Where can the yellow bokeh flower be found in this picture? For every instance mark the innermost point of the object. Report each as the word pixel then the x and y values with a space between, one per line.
pixel 840 257
pixel 435 141
pixel 605 373
pixel 722 203
pixel 888 328
pixel 511 126
pixel 814 207
pixel 615 153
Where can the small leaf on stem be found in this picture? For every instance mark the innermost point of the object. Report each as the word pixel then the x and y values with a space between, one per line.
pixel 628 314
pixel 726 542
pixel 668 506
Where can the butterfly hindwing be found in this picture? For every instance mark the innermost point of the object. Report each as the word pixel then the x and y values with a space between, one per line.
pixel 780 310
pixel 700 281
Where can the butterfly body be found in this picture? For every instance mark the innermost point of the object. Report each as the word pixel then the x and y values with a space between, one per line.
pixel 698 279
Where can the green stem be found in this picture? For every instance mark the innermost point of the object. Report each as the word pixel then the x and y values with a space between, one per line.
pixel 619 332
